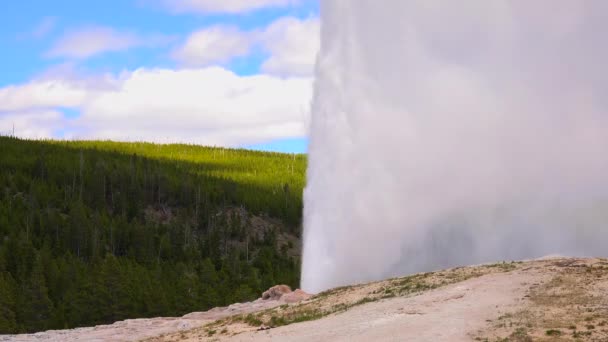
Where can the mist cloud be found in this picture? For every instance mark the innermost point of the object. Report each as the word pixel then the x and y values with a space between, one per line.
pixel 448 133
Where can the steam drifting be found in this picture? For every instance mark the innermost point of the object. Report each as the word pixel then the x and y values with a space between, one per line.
pixel 448 133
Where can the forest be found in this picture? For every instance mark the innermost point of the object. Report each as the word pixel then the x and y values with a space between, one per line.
pixel 93 232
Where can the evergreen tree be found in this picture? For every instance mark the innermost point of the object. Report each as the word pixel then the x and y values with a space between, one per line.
pixel 8 321
pixel 34 306
pixel 93 232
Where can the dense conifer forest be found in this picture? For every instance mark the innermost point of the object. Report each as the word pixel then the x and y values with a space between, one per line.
pixel 95 232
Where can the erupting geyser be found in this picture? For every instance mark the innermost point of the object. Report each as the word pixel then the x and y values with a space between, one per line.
pixel 455 132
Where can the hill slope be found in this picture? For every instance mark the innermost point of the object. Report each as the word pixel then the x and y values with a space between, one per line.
pixel 96 232
pixel 558 299
pixel 561 299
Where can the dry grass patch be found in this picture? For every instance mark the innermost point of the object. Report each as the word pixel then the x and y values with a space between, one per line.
pixel 571 306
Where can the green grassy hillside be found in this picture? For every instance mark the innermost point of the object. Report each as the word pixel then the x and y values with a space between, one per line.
pixel 94 232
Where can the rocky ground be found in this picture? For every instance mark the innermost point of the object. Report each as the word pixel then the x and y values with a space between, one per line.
pixel 558 299
pixel 140 329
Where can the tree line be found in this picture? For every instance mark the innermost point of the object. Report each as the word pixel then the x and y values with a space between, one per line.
pixel 95 232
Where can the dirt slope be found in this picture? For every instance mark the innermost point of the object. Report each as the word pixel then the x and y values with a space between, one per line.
pixel 138 329
pixel 447 314
pixel 560 299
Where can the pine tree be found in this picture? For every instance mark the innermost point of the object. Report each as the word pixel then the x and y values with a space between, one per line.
pixel 78 246
pixel 34 306
pixel 8 322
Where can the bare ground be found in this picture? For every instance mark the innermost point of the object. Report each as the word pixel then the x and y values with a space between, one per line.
pixel 138 329
pixel 559 299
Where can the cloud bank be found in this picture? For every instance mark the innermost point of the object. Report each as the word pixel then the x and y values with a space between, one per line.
pixel 206 106
pixel 199 101
pixel 455 133
pixel 211 106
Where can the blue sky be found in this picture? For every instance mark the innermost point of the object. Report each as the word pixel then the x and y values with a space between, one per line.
pixel 64 59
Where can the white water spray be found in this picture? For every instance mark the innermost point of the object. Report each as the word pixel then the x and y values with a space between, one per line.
pixel 455 132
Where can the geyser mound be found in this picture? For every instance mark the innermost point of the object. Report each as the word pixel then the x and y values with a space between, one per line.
pixel 448 133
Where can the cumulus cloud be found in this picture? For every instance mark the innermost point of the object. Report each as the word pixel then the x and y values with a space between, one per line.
pixel 32 124
pixel 223 6
pixel 204 103
pixel 211 106
pixel 206 106
pixel 42 94
pixel 293 45
pixel 93 40
pixel 218 44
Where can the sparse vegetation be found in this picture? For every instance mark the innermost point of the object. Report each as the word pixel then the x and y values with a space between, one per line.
pixel 251 320
pixel 553 332
pixel 565 297
pixel 566 301
pixel 344 298
pixel 520 335
pixel 582 334
pixel 505 266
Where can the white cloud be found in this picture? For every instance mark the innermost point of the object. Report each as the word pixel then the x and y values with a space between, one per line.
pixel 293 45
pixel 32 124
pixel 223 6
pixel 205 106
pixel 41 94
pixel 89 41
pixel 211 106
pixel 216 44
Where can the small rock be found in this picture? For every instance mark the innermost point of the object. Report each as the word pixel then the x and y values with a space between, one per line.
pixel 276 292
pixel 295 296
